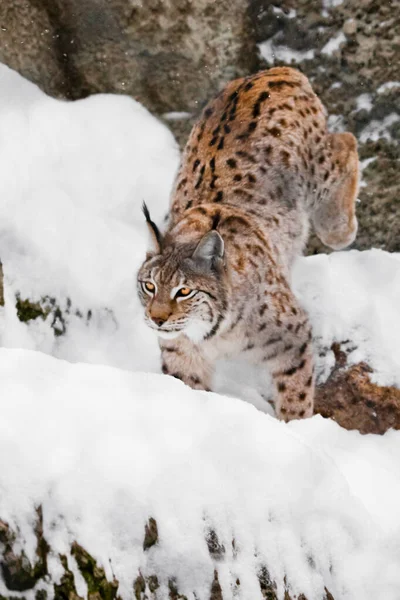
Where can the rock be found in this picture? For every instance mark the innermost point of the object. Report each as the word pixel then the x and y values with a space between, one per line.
pixel 215 548
pixel 57 314
pixel 151 534
pixel 99 587
pixel 216 591
pixel 66 589
pixel 350 398
pixel 17 571
pixel 31 43
pixel 350 27
pixel 174 56
pixel 171 56
pixel 369 58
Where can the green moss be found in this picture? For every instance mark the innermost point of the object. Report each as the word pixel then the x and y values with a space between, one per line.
pixel 46 307
pixel 28 311
pixel 66 590
pixel 49 308
pixel 98 585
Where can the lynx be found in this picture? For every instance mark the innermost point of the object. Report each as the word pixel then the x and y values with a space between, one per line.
pixel 258 168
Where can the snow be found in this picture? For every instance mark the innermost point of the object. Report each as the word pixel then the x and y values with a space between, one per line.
pixel 355 296
pixel 289 14
pixel 389 85
pixel 363 165
pixel 379 129
pixel 334 44
pixel 272 51
pixel 331 3
pixel 335 123
pixel 105 462
pixel 96 435
pixel 364 102
pixel 177 116
pixel 73 177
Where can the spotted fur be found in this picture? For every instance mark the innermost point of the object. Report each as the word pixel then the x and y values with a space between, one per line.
pixel 259 166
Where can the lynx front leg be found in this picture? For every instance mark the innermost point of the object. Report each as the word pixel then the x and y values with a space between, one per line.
pixel 184 360
pixel 290 359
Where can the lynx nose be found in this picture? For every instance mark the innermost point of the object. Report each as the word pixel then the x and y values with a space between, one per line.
pixel 158 320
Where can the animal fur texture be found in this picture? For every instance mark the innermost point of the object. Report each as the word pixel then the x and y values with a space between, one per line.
pixel 258 168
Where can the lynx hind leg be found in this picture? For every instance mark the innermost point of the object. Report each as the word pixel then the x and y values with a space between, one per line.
pixel 334 217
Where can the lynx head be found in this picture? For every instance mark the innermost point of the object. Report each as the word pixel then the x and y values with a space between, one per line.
pixel 182 285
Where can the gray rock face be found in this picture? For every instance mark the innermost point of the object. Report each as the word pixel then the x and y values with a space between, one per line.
pixel 169 55
pixel 29 44
pixel 174 55
pixel 354 64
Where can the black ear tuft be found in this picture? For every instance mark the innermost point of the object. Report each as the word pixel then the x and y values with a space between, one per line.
pixel 216 220
pixel 154 231
pixel 146 212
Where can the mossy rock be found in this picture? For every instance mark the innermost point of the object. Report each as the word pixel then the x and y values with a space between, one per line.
pixel 20 575
pixel 48 308
pixel 18 572
pixel 66 590
pixel 99 588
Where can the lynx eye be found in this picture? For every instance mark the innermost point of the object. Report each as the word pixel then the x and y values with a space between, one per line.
pixel 183 292
pixel 148 286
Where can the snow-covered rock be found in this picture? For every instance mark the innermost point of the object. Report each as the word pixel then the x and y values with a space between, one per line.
pixel 102 451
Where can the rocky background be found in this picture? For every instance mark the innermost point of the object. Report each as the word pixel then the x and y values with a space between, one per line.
pixel 172 56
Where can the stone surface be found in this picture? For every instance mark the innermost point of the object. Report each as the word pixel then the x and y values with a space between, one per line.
pixel 174 56
pixel 169 55
pixel 30 42
pixel 17 572
pixel 350 398
pixel 368 57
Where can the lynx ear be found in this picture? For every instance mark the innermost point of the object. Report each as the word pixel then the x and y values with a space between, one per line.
pixel 210 249
pixel 155 235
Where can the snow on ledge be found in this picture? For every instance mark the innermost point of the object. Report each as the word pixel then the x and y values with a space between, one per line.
pixel 110 448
